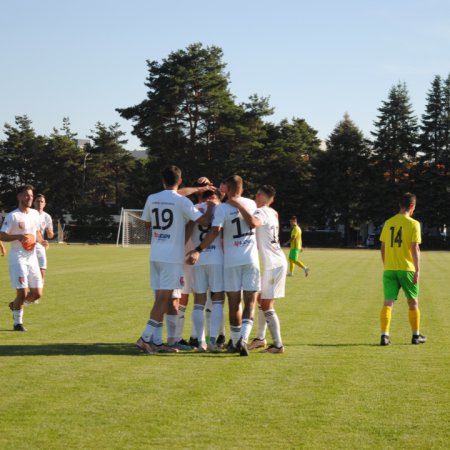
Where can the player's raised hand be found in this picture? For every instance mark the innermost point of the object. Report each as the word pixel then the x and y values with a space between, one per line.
pixel 204 180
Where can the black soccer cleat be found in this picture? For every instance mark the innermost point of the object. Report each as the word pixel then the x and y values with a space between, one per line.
pixel 184 342
pixel 19 327
pixel 418 339
pixel 241 347
pixel 385 340
pixel 220 341
pixel 193 342
pixel 230 347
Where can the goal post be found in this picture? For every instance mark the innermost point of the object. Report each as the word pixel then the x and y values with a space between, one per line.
pixel 132 229
pixel 60 233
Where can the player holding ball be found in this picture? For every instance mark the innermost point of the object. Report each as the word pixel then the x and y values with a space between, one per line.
pixel 21 228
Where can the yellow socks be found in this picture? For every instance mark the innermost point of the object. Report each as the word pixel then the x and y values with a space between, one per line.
pixel 414 320
pixel 385 319
pixel 297 263
pixel 291 266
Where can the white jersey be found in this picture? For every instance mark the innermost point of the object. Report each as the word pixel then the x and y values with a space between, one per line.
pixel 214 253
pixel 239 241
pixel 168 213
pixel 267 237
pixel 18 222
pixel 45 222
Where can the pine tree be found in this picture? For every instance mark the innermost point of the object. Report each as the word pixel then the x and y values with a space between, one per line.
pixel 343 173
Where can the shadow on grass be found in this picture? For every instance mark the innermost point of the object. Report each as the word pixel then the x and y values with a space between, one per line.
pixel 336 345
pixel 99 348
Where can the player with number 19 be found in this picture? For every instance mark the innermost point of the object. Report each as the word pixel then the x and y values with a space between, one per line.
pixel 167 212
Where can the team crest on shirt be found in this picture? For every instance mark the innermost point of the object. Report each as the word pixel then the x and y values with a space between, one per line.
pixel 22 225
pixel 182 281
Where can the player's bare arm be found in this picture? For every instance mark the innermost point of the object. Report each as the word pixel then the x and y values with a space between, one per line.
pixel 193 255
pixel 415 252
pixel 5 237
pixel 188 230
pixel 186 191
pixel 50 233
pixel 383 251
pixel 252 221
pixel 41 240
pixel 205 220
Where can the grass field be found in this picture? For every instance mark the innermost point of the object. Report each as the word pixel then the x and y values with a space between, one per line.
pixel 75 379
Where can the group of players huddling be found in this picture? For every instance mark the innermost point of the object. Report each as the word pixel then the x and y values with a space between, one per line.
pixel 223 240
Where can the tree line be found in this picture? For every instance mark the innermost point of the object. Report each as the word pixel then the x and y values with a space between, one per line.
pixel 190 118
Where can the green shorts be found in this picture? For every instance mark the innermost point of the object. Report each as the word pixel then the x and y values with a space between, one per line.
pixel 393 280
pixel 294 253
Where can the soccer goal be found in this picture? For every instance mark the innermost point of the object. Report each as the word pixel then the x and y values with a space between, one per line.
pixel 132 229
pixel 60 233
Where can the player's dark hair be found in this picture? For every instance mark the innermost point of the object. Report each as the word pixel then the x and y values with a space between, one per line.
pixel 407 199
pixel 171 175
pixel 39 196
pixel 24 188
pixel 208 194
pixel 234 183
pixel 267 190
pixel 293 218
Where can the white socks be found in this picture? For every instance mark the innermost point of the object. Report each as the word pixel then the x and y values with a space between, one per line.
pixel 180 322
pixel 171 323
pixel 150 330
pixel 216 318
pixel 274 326
pixel 262 324
pixel 198 321
pixel 246 328
pixel 18 316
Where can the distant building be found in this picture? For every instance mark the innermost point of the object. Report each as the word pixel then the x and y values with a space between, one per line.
pixel 139 154
pixel 81 143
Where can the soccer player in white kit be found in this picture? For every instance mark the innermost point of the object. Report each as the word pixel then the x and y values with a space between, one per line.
pixel 21 228
pixel 208 276
pixel 46 226
pixel 167 212
pixel 273 278
pixel 241 261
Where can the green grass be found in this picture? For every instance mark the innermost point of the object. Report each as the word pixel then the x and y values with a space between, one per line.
pixel 75 380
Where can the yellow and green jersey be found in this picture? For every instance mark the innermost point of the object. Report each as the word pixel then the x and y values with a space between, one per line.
pixel 398 235
pixel 296 233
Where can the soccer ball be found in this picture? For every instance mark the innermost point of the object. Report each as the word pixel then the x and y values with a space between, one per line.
pixel 28 242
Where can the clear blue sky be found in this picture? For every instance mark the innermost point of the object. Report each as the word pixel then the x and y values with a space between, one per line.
pixel 316 60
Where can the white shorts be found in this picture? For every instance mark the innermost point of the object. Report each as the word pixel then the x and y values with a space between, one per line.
pixel 28 271
pixel 166 275
pixel 41 256
pixel 245 277
pixel 273 283
pixel 208 277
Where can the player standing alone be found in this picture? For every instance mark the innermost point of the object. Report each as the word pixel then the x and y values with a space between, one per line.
pixel 21 228
pixel 296 247
pixel 46 226
pixel 400 252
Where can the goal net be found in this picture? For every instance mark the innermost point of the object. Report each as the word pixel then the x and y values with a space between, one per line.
pixel 132 229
